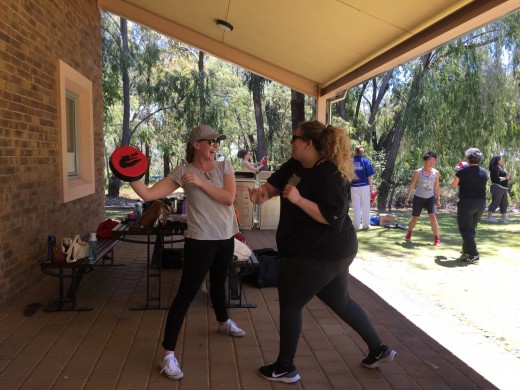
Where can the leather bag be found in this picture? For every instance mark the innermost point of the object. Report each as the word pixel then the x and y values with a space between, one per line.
pixel 57 254
pixel 157 213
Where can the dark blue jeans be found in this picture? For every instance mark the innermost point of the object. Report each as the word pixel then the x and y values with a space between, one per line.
pixel 299 281
pixel 200 256
pixel 469 212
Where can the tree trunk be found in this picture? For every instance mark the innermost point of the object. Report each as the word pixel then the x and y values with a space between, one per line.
pixel 392 141
pixel 115 183
pixel 166 164
pixel 259 116
pixel 202 100
pixel 391 147
pixel 297 108
pixel 148 158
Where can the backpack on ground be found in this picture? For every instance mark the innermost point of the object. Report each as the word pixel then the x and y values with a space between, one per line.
pixel 266 275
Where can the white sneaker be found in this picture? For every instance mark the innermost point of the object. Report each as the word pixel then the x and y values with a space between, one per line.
pixel 170 366
pixel 492 219
pixel 229 327
pixel 506 219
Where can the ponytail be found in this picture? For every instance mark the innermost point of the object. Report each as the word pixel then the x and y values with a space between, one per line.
pixel 333 144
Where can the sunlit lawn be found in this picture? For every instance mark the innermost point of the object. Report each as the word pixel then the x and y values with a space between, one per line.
pixel 484 296
pixel 495 241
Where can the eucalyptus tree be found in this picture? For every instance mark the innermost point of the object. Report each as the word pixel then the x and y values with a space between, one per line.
pixel 255 84
pixel 134 65
pixel 460 95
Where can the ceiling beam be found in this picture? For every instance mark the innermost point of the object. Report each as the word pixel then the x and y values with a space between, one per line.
pixel 460 22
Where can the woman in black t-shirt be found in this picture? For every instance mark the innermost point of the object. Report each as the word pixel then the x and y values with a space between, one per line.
pixel 499 187
pixel 316 241
pixel 471 181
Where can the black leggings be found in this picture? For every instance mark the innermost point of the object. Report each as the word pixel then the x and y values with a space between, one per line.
pixel 200 256
pixel 300 280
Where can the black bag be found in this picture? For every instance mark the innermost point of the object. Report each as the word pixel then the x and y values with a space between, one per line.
pixel 171 258
pixel 266 275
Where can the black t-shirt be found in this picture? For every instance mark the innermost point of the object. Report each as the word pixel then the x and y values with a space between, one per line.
pixel 472 182
pixel 298 234
pixel 496 172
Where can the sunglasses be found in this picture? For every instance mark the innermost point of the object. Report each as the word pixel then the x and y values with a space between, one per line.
pixel 295 137
pixel 211 142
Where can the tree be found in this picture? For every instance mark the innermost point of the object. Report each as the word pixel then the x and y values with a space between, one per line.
pixel 147 88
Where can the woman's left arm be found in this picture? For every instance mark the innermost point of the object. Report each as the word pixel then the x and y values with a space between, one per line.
pixel 437 189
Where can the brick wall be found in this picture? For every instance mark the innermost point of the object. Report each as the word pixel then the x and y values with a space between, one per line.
pixel 34 35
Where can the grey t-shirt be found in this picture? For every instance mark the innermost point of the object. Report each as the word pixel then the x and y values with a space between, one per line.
pixel 425 187
pixel 207 219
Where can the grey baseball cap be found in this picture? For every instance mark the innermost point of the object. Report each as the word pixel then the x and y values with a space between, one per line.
pixel 204 132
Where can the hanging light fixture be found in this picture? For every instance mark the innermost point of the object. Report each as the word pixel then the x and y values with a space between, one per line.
pixel 224 25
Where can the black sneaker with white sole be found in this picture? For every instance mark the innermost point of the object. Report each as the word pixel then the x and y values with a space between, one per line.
pixel 383 354
pixel 473 259
pixel 279 373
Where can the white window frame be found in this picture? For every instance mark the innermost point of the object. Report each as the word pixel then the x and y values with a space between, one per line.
pixel 81 184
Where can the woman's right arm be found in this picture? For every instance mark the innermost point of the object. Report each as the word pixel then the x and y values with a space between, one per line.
pixel 412 186
pixel 162 188
pixel 250 166
pixel 262 194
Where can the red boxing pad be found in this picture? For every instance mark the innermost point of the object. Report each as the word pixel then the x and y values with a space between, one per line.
pixel 128 163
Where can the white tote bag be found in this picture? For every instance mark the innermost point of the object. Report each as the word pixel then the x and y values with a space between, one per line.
pixel 242 251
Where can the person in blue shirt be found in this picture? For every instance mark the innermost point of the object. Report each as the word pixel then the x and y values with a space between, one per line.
pixel 361 189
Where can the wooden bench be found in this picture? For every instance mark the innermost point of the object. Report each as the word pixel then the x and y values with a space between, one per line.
pixel 75 272
pixel 236 277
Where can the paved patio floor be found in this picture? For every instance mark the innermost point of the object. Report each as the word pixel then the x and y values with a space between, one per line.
pixel 112 347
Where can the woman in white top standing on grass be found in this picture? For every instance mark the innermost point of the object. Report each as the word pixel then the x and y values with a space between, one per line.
pixel 208 246
pixel 426 181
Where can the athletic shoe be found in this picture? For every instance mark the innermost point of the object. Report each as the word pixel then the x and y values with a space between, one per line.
pixel 437 241
pixel 366 228
pixel 383 354
pixel 408 236
pixel 465 257
pixel 473 260
pixel 279 373
pixel 170 366
pixel 230 328
pixel 506 219
pixel 492 219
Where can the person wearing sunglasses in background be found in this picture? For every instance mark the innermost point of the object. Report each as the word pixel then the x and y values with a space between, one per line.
pixel 316 241
pixel 210 191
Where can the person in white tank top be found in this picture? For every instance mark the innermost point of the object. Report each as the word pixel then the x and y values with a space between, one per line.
pixel 427 196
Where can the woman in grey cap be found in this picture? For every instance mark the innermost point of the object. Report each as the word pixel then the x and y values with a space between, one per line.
pixel 210 191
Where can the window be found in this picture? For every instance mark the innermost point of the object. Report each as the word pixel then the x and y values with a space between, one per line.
pixel 76 135
pixel 71 104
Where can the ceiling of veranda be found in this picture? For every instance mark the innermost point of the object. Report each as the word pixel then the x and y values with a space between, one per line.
pixel 317 47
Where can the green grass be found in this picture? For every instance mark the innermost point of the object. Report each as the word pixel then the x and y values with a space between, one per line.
pixel 494 240
pixel 482 296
